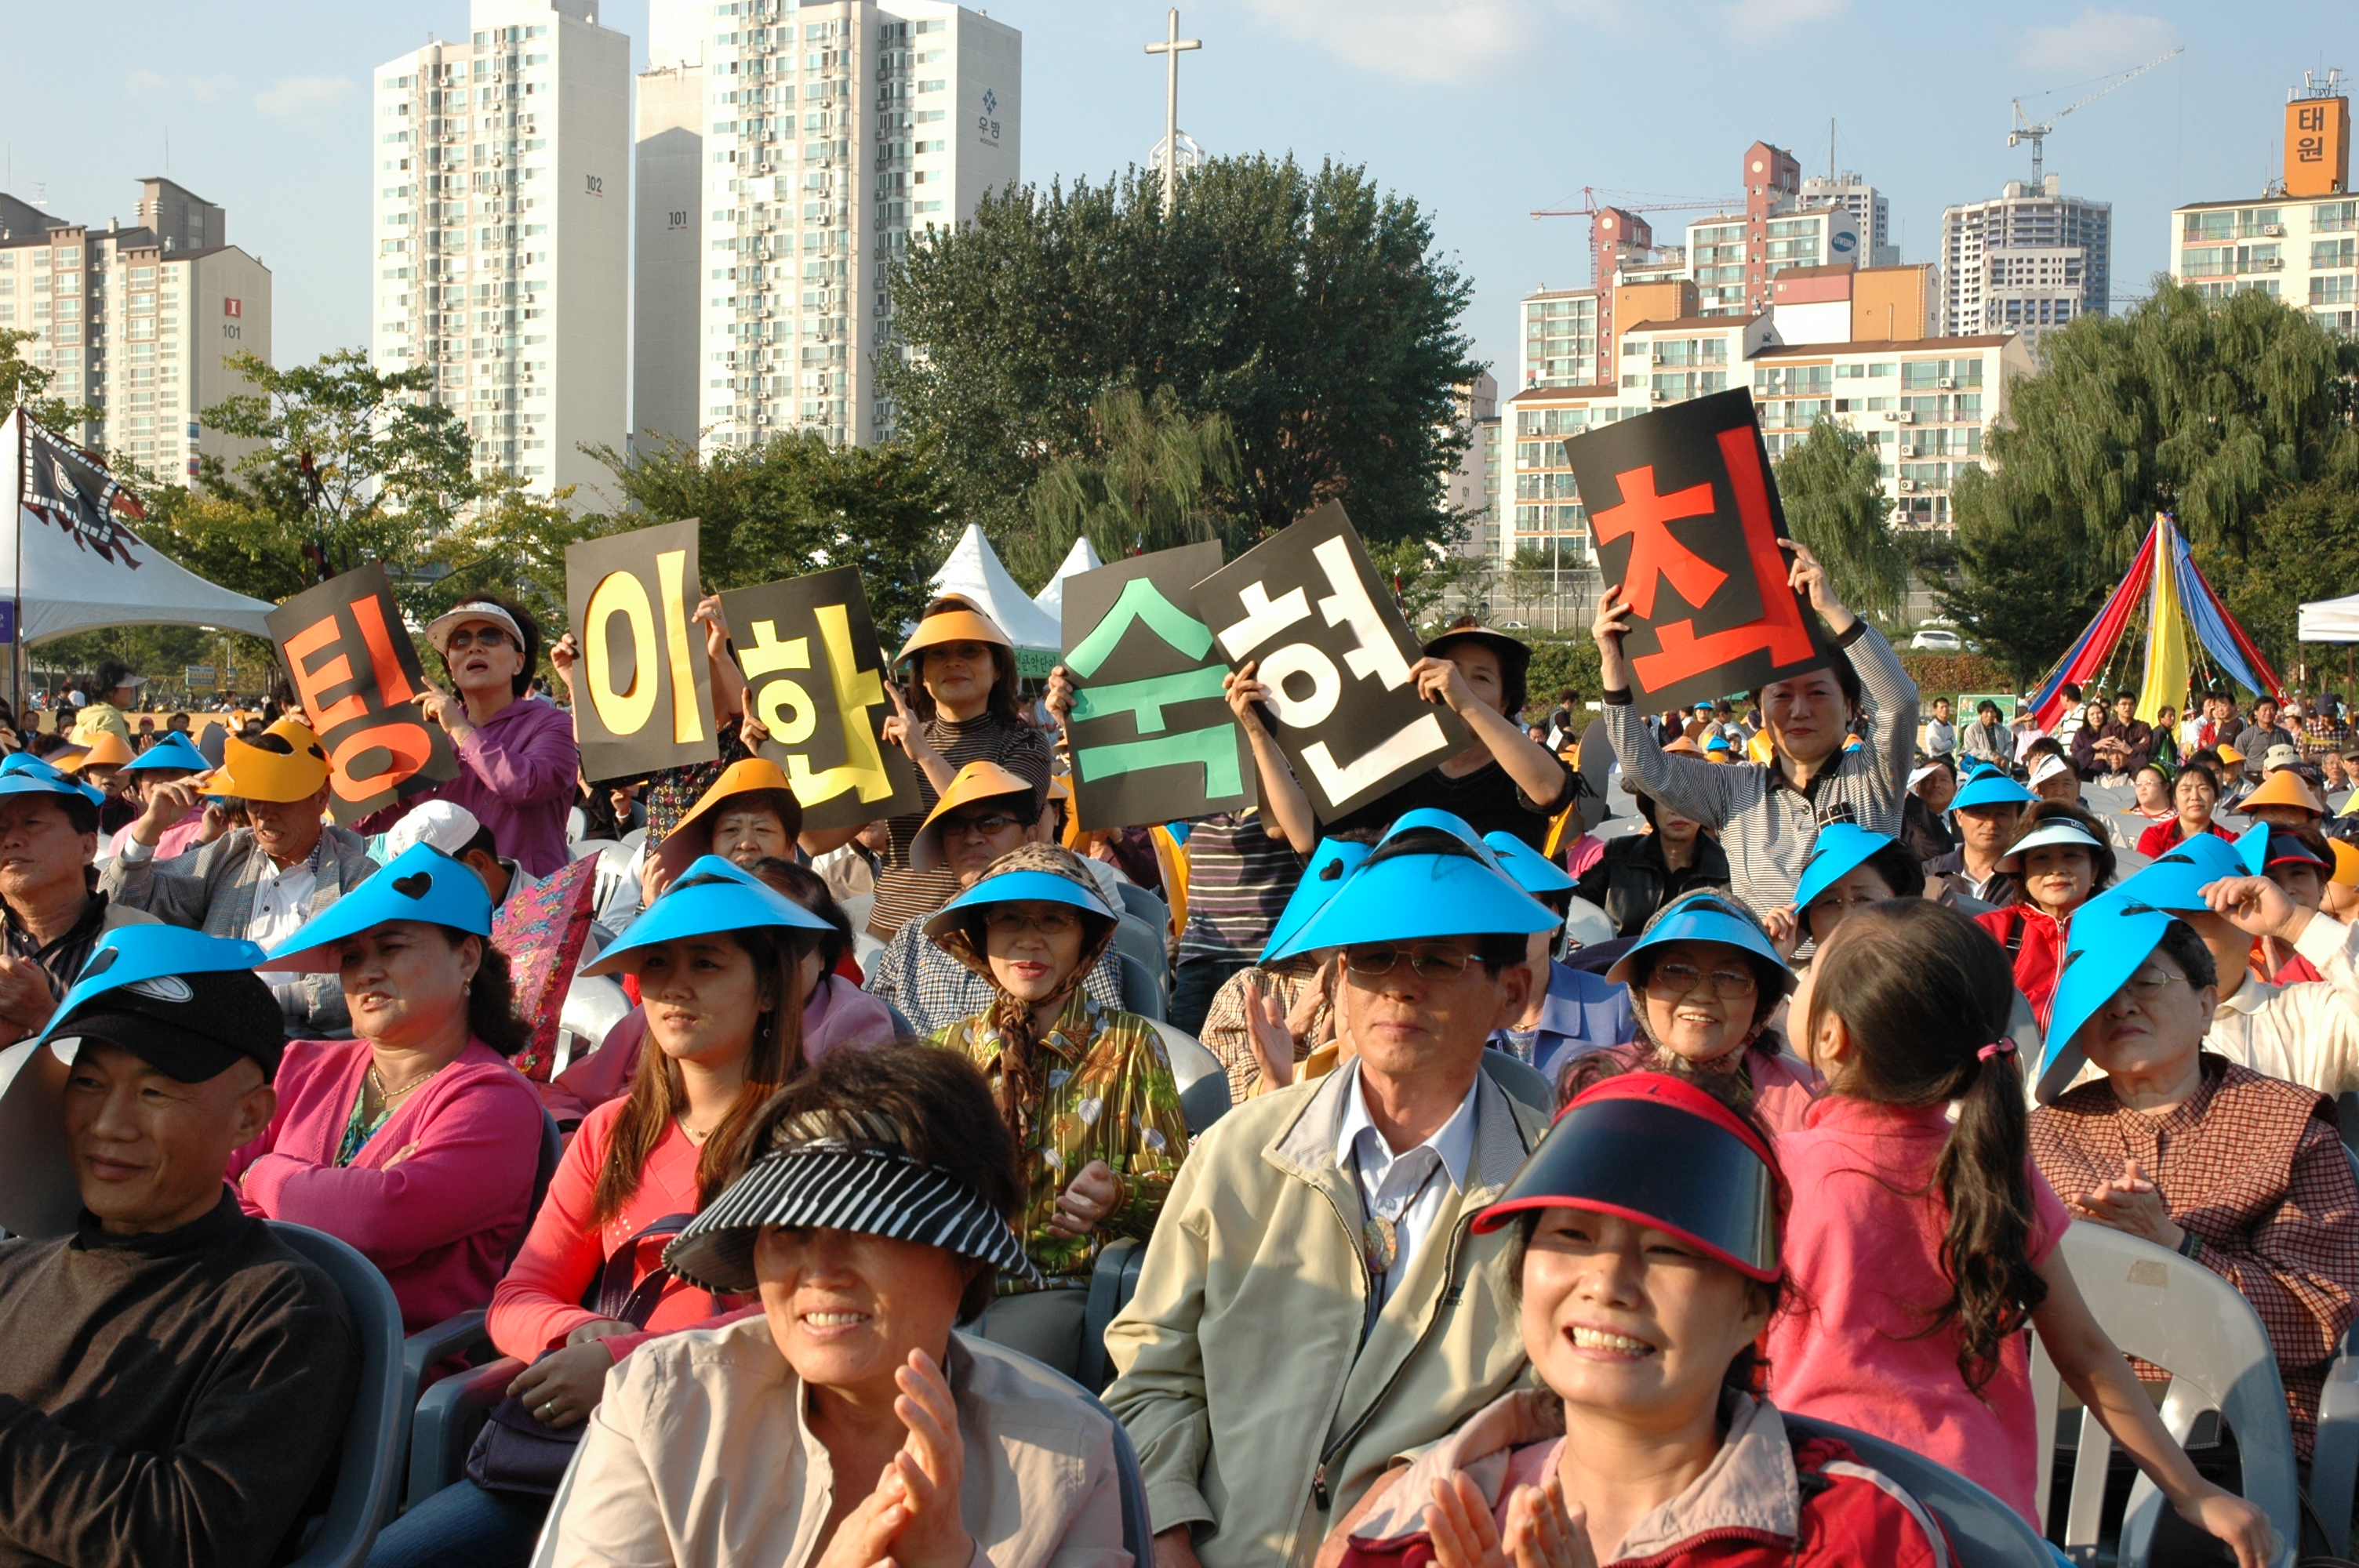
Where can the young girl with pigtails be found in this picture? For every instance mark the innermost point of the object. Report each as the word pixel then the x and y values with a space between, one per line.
pixel 1928 1243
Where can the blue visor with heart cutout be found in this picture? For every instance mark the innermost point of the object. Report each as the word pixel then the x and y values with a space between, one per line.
pixel 422 883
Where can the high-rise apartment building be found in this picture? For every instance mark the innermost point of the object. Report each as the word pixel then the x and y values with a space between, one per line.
pixel 830 133
pixel 2031 261
pixel 1473 485
pixel 1732 257
pixel 1869 208
pixel 503 221
pixel 139 322
pixel 2299 243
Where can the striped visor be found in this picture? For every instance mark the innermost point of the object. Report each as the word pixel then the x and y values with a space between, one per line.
pixel 834 1185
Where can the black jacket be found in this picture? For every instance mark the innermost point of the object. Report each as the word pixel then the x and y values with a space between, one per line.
pixel 1631 880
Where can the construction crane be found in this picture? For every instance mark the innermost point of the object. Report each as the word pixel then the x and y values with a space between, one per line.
pixel 2025 131
pixel 1620 234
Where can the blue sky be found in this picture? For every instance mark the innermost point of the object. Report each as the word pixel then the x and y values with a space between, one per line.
pixel 1480 109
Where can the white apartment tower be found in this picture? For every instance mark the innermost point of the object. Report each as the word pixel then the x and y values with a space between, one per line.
pixel 2028 262
pixel 503 221
pixel 1869 206
pixel 830 133
pixel 139 322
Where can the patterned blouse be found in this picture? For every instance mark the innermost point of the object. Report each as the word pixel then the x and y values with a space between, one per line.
pixel 1110 1098
pixel 2253 1167
pixel 902 891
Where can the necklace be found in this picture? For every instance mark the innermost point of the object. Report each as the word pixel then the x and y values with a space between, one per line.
pixel 385 1095
pixel 694 1135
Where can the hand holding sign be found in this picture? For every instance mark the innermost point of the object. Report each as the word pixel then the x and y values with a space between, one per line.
pixel 643 696
pixel 1701 600
pixel 353 664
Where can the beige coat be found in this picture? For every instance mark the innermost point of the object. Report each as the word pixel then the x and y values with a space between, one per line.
pixel 1259 1411
pixel 699 1455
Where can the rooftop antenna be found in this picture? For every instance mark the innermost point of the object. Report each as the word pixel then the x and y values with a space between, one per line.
pixel 2025 131
pixel 1830 150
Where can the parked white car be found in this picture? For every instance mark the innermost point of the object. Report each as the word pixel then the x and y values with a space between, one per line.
pixel 1934 640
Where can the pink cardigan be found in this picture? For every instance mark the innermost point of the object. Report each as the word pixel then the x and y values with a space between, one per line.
pixel 440 1224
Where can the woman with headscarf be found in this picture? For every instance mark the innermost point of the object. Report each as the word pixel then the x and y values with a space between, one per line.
pixel 1087 1093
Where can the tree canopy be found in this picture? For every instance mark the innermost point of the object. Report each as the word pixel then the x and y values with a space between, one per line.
pixel 1832 492
pixel 1305 308
pixel 1142 487
pixel 2233 416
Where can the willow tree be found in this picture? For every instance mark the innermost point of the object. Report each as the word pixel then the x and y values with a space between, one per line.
pixel 1144 482
pixel 1832 490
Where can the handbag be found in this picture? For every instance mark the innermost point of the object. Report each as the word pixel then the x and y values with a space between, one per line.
pixel 516 1452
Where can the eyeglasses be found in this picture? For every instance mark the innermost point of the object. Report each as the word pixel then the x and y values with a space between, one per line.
pixel 1675 979
pixel 1426 961
pixel 1050 922
pixel 2147 985
pixel 489 637
pixel 989 823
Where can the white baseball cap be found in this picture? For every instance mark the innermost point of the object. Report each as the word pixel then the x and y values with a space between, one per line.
pixel 2047 768
pixel 444 824
pixel 438 630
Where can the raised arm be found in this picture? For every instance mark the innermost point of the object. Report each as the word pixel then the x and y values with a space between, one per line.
pixel 1285 809
pixel 1694 787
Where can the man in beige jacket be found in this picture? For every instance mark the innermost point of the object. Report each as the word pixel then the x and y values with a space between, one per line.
pixel 1313 1303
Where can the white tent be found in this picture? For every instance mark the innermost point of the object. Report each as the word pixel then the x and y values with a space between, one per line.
pixel 68 562
pixel 2329 620
pixel 1081 557
pixel 973 570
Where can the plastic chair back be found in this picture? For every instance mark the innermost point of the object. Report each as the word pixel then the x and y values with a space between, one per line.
pixel 1133 940
pixel 2334 1459
pixel 583 849
pixel 1191 1062
pixel 368 1461
pixel 1141 993
pixel 2171 1311
pixel 1985 1532
pixel 593 1005
pixel 1113 1280
pixel 1151 911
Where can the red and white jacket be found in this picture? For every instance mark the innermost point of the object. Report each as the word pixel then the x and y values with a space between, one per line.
pixel 1767 1499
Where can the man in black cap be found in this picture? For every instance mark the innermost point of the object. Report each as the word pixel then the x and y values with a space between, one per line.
pixel 174 1378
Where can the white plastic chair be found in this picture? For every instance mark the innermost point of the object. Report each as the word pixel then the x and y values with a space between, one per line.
pixel 2179 1315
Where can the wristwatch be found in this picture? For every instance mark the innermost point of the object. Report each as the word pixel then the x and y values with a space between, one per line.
pixel 2190 1243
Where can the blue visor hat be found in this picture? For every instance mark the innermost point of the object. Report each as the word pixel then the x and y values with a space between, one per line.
pixel 2176 880
pixel 24 774
pixel 1840 850
pixel 1016 887
pixel 1410 888
pixel 1991 787
pixel 1708 919
pixel 422 883
pixel 711 897
pixel 1334 860
pixel 2110 937
pixel 174 750
pixel 133 955
pixel 1527 866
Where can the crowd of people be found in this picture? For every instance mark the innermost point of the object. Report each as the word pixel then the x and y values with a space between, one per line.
pixel 1573 1180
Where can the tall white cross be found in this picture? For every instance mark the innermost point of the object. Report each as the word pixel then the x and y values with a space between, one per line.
pixel 1171 48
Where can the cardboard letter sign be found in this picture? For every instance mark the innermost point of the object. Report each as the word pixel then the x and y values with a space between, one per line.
pixel 646 693
pixel 1335 652
pixel 815 677
pixel 1153 737
pixel 352 663
pixel 1688 526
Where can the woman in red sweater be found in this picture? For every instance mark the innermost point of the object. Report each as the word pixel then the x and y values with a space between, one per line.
pixel 717 958
pixel 2197 794
pixel 2060 859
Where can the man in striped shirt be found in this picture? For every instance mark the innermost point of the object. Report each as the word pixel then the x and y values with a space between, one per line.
pixel 1768 815
pixel 1240 875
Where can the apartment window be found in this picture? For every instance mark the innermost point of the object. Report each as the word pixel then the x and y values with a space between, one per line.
pixel 2334 253
pixel 2332 216
pixel 2208 226
pixel 2332 290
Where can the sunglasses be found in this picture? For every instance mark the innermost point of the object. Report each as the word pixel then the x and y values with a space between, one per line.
pixel 1426 962
pixel 489 637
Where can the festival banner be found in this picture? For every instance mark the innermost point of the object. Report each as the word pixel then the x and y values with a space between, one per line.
pixel 1334 651
pixel 815 677
pixel 357 674
pixel 1153 739
pixel 1686 522
pixel 645 692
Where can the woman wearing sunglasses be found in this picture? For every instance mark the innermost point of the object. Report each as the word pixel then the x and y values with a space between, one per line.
pixel 1703 981
pixel 1086 1091
pixel 519 766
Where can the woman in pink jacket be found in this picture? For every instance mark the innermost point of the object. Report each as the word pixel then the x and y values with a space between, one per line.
pixel 717 961
pixel 416 1142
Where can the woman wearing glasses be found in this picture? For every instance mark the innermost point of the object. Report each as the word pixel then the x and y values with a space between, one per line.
pixel 1703 981
pixel 1086 1091
pixel 518 766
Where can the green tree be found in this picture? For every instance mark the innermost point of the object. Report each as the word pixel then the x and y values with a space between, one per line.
pixel 1421 573
pixel 796 504
pixel 1142 485
pixel 347 468
pixel 1833 494
pixel 2026 587
pixel 22 381
pixel 1306 308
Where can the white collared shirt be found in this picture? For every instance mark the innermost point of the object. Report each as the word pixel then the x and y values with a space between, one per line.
pixel 279 896
pixel 1407 1187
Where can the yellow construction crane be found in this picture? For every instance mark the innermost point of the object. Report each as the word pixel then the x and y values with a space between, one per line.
pixel 2025 131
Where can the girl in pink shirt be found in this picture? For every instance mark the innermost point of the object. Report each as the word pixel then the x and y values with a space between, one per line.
pixel 1921 1245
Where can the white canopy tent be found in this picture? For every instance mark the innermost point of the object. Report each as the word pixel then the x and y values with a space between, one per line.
pixel 68 563
pixel 1081 557
pixel 973 571
pixel 2329 620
